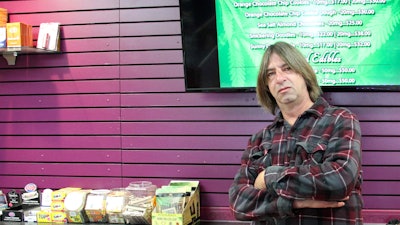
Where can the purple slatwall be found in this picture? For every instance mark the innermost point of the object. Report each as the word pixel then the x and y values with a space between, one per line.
pixel 111 109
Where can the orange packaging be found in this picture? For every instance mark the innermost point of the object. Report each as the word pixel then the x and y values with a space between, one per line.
pixel 3 17
pixel 19 35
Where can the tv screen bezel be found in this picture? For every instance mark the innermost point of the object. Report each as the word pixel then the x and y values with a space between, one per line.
pixel 199 39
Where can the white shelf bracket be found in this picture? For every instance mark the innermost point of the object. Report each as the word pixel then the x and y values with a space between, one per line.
pixel 10 57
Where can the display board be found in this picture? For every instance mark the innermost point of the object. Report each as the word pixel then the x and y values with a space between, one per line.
pixel 351 44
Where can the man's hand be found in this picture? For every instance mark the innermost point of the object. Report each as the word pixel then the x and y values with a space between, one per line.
pixel 317 204
pixel 259 183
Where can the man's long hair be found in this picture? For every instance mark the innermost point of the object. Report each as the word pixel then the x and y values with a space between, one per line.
pixel 296 61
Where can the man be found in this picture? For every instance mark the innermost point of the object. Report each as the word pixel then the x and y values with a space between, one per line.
pixel 305 167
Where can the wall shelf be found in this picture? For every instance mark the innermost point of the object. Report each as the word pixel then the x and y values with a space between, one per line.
pixel 11 53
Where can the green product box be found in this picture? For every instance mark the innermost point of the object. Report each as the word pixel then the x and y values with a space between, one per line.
pixel 191 212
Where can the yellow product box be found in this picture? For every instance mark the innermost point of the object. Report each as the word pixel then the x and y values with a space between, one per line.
pixel 190 212
pixel 58 217
pixel 57 206
pixel 19 35
pixel 43 216
pixel 60 194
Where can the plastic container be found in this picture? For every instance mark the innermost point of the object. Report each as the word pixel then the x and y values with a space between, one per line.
pixel 140 204
pixel 116 201
pixel 95 207
pixel 3 201
pixel 74 204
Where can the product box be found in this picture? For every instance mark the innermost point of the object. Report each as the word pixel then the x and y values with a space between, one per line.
pixel 14 200
pixel 30 215
pixel 190 214
pixel 3 36
pixel 60 194
pixel 3 17
pixel 10 215
pixel 30 199
pixel 19 35
pixel 58 217
pixel 57 206
pixel 3 27
pixel 43 216
pixel 49 36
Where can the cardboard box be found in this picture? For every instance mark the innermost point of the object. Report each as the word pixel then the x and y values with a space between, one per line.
pixel 59 217
pixel 60 194
pixel 30 215
pixel 49 36
pixel 3 16
pixel 19 35
pixel 191 211
pixel 43 216
pixel 12 215
pixel 3 36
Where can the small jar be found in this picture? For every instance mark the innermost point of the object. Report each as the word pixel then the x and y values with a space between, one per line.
pixel 115 204
pixel 95 207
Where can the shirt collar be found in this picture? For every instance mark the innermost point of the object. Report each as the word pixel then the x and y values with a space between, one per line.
pixel 316 109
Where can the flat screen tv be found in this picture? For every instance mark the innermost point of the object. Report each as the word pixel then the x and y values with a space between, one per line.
pixel 353 45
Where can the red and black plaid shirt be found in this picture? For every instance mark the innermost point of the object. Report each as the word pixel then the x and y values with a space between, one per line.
pixel 319 157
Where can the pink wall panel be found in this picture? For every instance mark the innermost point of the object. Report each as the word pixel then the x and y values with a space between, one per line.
pixel 61 155
pixel 195 114
pixel 54 101
pixel 66 18
pixel 90 31
pixel 151 57
pixel 190 128
pixel 147 43
pixel 152 28
pixel 148 3
pixel 152 85
pixel 72 59
pixel 59 5
pixel 181 156
pixel 54 142
pixel 61 169
pixel 189 99
pixel 63 73
pixel 185 142
pixel 60 128
pixel 149 14
pixel 154 71
pixel 57 115
pixel 62 87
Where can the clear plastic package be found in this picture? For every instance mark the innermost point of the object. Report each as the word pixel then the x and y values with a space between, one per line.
pixel 95 207
pixel 141 202
pixel 116 201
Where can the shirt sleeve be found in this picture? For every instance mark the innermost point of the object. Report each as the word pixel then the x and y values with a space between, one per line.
pixel 335 176
pixel 248 202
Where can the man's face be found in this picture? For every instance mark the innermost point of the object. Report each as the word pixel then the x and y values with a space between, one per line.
pixel 285 85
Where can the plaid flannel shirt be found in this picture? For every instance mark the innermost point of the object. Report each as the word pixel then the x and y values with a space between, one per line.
pixel 319 158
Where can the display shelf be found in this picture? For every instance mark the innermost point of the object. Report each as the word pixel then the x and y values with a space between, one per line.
pixel 11 53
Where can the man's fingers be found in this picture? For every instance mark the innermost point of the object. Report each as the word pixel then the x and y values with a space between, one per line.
pixel 316 204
